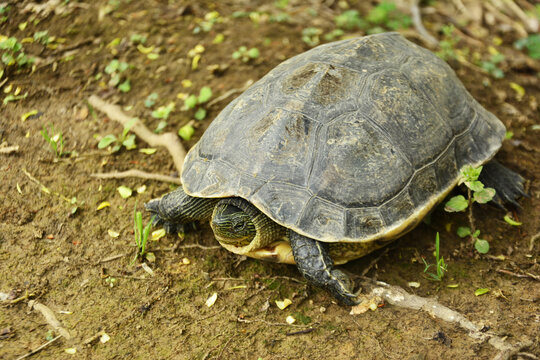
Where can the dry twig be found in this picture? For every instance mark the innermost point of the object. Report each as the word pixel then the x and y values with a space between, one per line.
pixel 49 316
pixel 419 26
pixel 138 174
pixel 397 296
pixel 9 149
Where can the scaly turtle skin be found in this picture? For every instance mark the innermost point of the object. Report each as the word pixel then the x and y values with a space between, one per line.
pixel 335 152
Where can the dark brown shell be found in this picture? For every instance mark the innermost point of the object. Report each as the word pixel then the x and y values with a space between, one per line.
pixel 351 141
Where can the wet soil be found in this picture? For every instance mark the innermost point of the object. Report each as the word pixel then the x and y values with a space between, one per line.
pixel 68 261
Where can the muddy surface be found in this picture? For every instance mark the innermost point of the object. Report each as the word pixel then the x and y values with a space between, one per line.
pixel 67 259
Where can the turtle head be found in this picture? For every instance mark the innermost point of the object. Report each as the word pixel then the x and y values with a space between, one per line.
pixel 232 224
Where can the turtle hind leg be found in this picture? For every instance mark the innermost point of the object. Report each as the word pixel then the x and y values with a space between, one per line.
pixel 315 264
pixel 177 208
pixel 507 183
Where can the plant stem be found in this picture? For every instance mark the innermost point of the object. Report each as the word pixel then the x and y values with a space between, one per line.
pixel 470 214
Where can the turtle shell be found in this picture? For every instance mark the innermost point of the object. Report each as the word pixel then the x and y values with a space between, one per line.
pixel 350 141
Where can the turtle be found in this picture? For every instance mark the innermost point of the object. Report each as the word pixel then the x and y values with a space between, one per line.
pixel 333 154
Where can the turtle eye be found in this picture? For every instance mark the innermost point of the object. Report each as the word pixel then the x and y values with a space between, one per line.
pixel 238 225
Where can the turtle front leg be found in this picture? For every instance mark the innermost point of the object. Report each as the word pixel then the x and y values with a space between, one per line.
pixel 315 264
pixel 177 208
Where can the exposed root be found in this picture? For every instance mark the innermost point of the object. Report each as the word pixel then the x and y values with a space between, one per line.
pixel 419 26
pixel 138 174
pixel 169 140
pixel 49 316
pixel 533 239
pixel 397 296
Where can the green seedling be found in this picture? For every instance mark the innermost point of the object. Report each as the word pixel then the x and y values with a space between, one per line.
pixel 55 140
pixel 246 55
pixel 13 53
pixel 141 235
pixel 440 266
pixel 125 139
pixel 115 69
pixel 186 131
pixel 138 39
pixel 448 44
pixel 163 112
pixel 311 36
pixel 4 10
pixel 210 19
pixel 193 101
pixel 532 44
pixel 492 65
pixel 476 192
pixel 42 37
pixel 350 20
pixel 151 100
pixel 382 17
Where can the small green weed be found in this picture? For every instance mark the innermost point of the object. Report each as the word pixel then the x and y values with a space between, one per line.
pixel 476 192
pixel 4 11
pixel 440 266
pixel 13 53
pixel 193 101
pixel 382 17
pixel 311 36
pixel 125 139
pixel 492 65
pixel 141 234
pixel 210 19
pixel 42 37
pixel 246 55
pixel 115 69
pixel 55 140
pixel 531 43
pixel 448 44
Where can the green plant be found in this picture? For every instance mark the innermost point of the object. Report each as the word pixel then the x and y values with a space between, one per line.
pixel 310 36
pixel 382 17
pixel 440 266
pixel 141 234
pixel 476 192
pixel 42 37
pixel 210 19
pixel 115 69
pixel 246 55
pixel 448 43
pixel 125 139
pixel 532 44
pixel 492 65
pixel 4 10
pixel 55 140
pixel 13 53
pixel 192 101
pixel 350 20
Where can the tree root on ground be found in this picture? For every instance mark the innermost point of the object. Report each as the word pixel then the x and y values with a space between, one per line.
pixel 169 140
pixel 397 296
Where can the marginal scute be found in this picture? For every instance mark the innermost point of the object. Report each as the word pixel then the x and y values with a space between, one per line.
pixel 352 141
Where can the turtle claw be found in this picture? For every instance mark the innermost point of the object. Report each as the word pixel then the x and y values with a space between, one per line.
pixel 508 184
pixel 316 265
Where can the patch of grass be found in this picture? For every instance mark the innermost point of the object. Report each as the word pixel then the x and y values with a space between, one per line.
pixel 55 140
pixel 141 234
pixel 125 139
pixel 440 266
pixel 476 192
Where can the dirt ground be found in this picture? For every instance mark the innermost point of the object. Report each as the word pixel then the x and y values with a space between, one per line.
pixel 71 260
